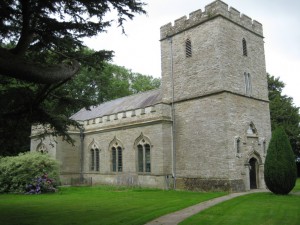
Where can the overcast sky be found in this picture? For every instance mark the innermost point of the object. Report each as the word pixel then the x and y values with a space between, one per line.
pixel 139 50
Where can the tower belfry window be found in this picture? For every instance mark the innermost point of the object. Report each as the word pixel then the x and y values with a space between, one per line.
pixel 188 48
pixel 245 52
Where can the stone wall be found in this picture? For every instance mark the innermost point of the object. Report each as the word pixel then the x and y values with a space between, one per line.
pixel 198 184
pixel 212 105
pixel 152 123
pixel 217 61
pixel 206 131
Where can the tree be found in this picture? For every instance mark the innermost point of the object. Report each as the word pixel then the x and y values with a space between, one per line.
pixel 283 113
pixel 280 166
pixel 91 86
pixel 111 82
pixel 142 83
pixel 41 49
pixel 36 27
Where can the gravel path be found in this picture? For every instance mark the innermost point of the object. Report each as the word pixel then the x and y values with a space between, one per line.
pixel 178 216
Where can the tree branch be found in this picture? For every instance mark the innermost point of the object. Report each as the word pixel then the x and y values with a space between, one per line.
pixel 13 66
pixel 26 35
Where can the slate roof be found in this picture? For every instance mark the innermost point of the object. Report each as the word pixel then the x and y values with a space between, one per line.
pixel 131 102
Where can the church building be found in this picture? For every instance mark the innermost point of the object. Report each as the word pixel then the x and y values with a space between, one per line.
pixel 206 128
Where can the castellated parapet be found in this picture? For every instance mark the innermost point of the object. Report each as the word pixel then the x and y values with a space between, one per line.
pixel 129 118
pixel 215 9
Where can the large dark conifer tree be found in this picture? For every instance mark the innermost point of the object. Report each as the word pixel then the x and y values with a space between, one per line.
pixel 41 49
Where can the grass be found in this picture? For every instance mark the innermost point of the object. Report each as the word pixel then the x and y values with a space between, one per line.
pixel 258 209
pixel 95 205
pixel 297 186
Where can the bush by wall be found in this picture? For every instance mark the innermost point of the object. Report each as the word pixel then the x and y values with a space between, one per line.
pixel 280 166
pixel 28 173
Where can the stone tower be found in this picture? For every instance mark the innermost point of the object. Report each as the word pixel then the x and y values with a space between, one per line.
pixel 214 76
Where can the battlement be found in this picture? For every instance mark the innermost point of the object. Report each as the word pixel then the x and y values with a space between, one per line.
pixel 214 9
pixel 140 115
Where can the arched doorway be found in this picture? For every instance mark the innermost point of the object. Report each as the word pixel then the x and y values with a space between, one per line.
pixel 253 173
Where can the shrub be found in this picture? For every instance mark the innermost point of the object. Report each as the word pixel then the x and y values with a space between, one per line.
pixel 27 171
pixel 280 167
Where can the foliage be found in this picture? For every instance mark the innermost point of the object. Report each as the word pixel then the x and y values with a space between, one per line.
pixel 19 172
pixel 280 166
pixel 284 113
pixel 41 185
pixel 258 208
pixel 90 87
pixel 41 49
pixel 109 83
pixel 96 205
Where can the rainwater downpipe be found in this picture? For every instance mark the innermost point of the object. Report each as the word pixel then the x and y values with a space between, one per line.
pixel 173 115
pixel 81 153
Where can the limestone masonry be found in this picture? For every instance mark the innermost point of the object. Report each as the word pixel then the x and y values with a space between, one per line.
pixel 206 128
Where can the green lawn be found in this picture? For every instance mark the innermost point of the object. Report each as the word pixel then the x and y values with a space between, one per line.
pixel 258 209
pixel 297 187
pixel 95 205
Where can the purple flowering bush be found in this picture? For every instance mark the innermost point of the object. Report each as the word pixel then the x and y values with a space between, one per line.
pixel 41 185
pixel 28 173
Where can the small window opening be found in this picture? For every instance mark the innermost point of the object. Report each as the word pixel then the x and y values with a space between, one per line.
pixel 251 129
pixel 188 48
pixel 238 145
pixel 248 85
pixel 264 147
pixel 245 52
pixel 42 148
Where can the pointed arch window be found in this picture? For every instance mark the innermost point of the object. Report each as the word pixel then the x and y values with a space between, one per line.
pixel 188 48
pixel 251 131
pixel 143 147
pixel 244 44
pixel 95 159
pixel 117 159
pixel 94 156
pixel 116 149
